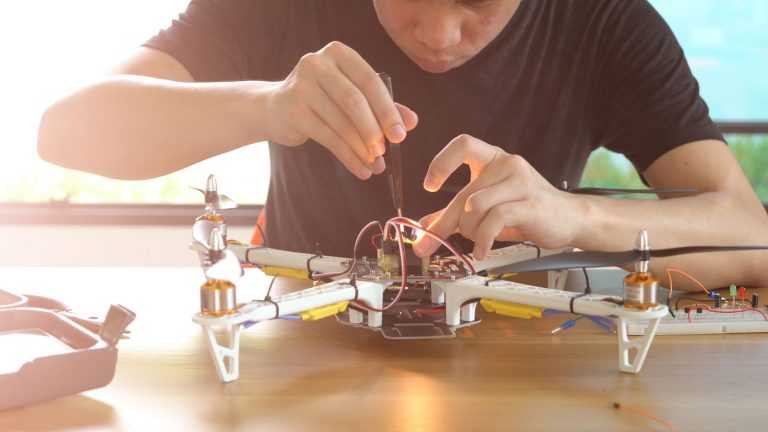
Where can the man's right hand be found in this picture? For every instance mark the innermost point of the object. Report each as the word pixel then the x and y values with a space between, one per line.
pixel 333 96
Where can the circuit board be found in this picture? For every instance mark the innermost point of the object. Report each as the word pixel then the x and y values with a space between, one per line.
pixel 703 321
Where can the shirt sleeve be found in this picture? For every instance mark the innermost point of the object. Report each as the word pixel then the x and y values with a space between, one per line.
pixel 223 40
pixel 650 102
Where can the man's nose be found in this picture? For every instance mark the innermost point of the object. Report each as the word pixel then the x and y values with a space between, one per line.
pixel 438 31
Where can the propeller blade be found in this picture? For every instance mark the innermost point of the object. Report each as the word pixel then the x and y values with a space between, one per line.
pixel 201 232
pixel 660 253
pixel 617 191
pixel 224 202
pixel 227 268
pixel 569 260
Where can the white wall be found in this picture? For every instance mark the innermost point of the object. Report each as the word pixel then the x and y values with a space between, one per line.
pixel 61 245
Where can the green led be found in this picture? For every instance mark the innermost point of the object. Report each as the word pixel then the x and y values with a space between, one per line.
pixel 733 290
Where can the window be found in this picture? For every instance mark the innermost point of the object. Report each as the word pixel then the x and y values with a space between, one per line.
pixel 54 45
pixel 727 48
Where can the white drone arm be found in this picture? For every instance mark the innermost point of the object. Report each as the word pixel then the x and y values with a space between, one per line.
pixel 512 254
pixel 262 256
pixel 300 301
pixel 226 355
pixel 459 292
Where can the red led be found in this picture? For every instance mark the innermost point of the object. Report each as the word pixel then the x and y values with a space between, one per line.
pixel 742 293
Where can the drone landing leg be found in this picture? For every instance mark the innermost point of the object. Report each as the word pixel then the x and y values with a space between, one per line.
pixel 355 317
pixel 226 358
pixel 468 312
pixel 640 345
pixel 437 294
pixel 557 279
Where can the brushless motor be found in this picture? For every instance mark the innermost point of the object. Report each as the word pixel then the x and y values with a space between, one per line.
pixel 640 287
pixel 218 298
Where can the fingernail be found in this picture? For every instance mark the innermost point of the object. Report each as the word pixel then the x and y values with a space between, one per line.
pixel 364 174
pixel 397 133
pixel 430 183
pixel 379 165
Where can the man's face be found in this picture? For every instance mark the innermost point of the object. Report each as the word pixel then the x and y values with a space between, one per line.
pixel 439 35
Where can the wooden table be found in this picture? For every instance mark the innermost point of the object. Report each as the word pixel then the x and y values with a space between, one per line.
pixel 503 374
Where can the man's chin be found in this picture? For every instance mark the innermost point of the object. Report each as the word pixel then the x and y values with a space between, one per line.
pixel 435 67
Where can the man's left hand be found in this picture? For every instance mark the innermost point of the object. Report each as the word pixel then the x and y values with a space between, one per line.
pixel 506 199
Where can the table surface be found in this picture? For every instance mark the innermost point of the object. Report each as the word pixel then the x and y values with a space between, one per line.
pixel 503 374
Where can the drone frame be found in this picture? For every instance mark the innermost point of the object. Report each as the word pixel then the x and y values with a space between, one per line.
pixel 333 297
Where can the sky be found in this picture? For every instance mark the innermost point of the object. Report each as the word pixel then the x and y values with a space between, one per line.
pixel 726 43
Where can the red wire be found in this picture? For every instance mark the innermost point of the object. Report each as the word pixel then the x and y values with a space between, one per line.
pixel 373 241
pixel 403 272
pixel 711 309
pixel 397 223
pixel 415 225
pixel 354 252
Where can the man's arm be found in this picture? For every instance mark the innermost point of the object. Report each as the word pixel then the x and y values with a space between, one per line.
pixel 509 200
pixel 726 211
pixel 149 119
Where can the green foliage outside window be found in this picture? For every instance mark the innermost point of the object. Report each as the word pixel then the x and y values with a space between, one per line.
pixel 608 169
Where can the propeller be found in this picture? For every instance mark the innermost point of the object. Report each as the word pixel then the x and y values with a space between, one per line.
pixel 568 260
pixel 201 232
pixel 213 198
pixel 225 264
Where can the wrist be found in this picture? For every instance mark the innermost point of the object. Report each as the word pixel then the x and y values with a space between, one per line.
pixel 252 109
pixel 584 221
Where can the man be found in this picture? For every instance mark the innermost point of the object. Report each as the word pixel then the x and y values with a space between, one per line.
pixel 519 90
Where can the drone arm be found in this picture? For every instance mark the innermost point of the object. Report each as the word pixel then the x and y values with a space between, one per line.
pixel 300 301
pixel 457 293
pixel 478 287
pixel 276 258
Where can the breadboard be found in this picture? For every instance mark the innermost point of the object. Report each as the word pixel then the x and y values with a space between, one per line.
pixel 705 322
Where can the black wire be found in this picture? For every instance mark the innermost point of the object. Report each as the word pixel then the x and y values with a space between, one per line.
pixel 697 300
pixel 268 299
pixel 269 290
pixel 263 235
pixel 588 289
pixel 500 276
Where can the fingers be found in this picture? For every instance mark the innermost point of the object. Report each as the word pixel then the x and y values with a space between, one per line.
pixel 349 98
pixel 373 88
pixel 344 126
pixel 480 202
pixel 463 149
pixel 328 138
pixel 425 221
pixel 449 220
pixel 495 221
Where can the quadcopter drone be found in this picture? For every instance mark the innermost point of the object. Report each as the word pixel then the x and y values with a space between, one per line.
pixel 403 296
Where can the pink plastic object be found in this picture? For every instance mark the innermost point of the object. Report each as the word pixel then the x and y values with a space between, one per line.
pixel 45 355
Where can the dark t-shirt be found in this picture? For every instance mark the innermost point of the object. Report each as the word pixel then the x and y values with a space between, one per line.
pixel 563 78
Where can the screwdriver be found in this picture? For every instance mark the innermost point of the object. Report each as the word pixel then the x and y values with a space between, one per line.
pixel 393 160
